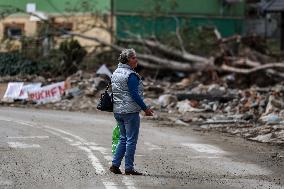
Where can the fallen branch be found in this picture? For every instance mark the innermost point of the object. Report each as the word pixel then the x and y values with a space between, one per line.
pixel 168 50
pixel 230 39
pixel 243 61
pixel 251 63
pixel 149 65
pixel 252 70
pixel 152 61
pixel 172 64
pixel 148 59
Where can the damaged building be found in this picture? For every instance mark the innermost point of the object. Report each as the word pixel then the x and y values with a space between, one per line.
pixel 35 18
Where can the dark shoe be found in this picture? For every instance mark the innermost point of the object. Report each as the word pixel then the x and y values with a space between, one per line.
pixel 132 172
pixel 115 170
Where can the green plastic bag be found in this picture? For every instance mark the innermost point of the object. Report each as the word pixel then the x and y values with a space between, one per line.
pixel 115 138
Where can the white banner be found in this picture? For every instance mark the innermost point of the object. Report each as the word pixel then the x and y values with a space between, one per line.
pixel 49 93
pixel 26 88
pixel 13 90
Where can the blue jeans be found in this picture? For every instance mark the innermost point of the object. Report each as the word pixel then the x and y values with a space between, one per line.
pixel 129 129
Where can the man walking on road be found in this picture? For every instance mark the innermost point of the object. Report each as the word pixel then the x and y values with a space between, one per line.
pixel 128 101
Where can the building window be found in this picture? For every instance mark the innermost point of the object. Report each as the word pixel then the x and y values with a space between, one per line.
pixel 13 31
pixel 63 26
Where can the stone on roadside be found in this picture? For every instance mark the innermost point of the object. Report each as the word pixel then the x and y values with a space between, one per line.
pixel 185 82
pixel 180 122
pixel 184 106
pixel 187 117
pixel 75 91
pixel 91 92
pixel 271 119
pixel 167 100
pixel 216 90
pixel 262 138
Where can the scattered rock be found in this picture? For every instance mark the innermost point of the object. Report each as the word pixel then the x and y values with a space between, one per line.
pixel 271 119
pixel 262 138
pixel 184 106
pixel 167 100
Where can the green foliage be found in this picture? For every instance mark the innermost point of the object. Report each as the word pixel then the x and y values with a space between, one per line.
pixel 73 54
pixel 15 64
pixel 273 46
pixel 31 48
pixel 200 41
pixel 64 61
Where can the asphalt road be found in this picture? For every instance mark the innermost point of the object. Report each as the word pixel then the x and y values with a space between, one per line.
pixel 57 149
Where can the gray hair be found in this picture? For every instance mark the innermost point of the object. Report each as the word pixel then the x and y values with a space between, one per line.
pixel 125 55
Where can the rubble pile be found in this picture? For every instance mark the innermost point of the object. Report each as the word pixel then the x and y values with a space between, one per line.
pixel 82 94
pixel 255 113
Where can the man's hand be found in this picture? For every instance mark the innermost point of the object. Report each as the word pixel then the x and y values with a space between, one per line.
pixel 149 112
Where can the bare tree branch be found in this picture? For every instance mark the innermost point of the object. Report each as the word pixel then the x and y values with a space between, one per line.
pixel 179 36
pixel 252 70
pixel 169 50
pixel 165 63
pixel 248 62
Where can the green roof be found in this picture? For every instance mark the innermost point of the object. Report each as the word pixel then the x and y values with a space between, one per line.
pixel 59 6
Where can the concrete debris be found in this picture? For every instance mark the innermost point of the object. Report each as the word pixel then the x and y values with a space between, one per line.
pixel 177 121
pixel 274 104
pixel 70 93
pixel 184 83
pixel 262 138
pixel 167 100
pixel 184 106
pixel 271 119
pixel 216 90
pixel 256 114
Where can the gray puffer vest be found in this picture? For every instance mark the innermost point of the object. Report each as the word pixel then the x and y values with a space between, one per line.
pixel 122 101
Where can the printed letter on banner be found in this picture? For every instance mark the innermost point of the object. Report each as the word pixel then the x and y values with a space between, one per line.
pixel 47 94
pixel 26 88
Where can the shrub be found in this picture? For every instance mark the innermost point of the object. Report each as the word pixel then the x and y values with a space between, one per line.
pixel 73 54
